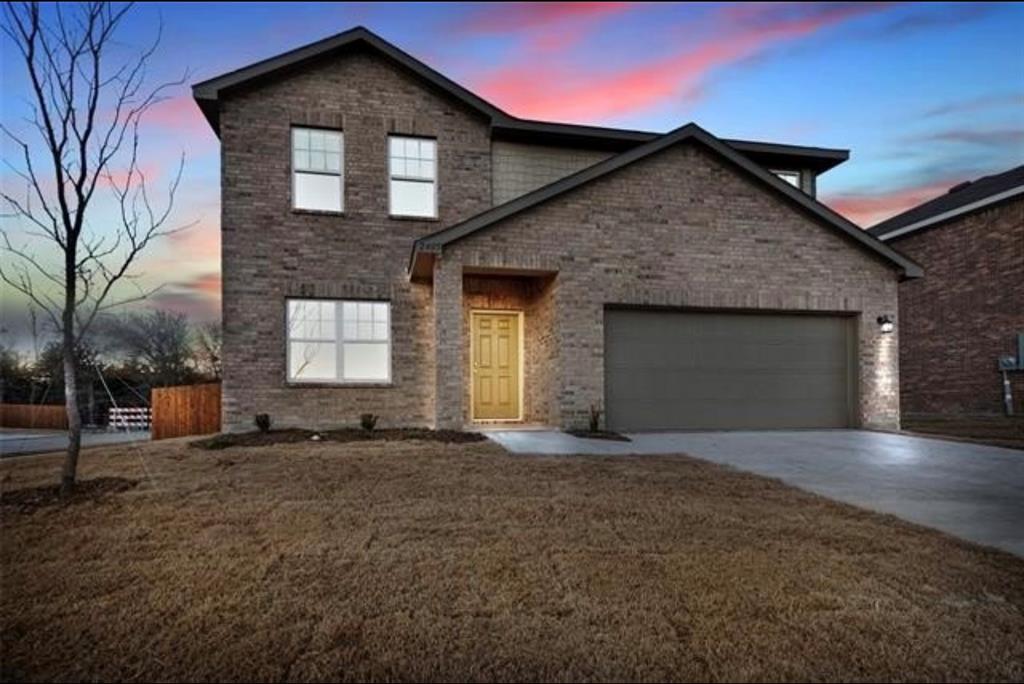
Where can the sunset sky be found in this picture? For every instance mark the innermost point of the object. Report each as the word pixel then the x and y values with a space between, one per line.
pixel 924 95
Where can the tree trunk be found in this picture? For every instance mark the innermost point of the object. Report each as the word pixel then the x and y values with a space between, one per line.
pixel 67 478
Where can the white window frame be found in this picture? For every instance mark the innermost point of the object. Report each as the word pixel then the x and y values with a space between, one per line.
pixel 414 179
pixel 781 174
pixel 296 171
pixel 339 341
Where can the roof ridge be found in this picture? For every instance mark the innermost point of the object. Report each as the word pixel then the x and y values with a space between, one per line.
pixel 435 241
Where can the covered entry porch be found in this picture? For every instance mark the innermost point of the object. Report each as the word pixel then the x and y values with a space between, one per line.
pixel 495 346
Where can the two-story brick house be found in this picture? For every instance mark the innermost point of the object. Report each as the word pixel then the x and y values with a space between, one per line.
pixel 394 244
pixel 968 312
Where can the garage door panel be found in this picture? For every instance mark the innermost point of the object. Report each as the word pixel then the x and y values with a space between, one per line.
pixel 691 370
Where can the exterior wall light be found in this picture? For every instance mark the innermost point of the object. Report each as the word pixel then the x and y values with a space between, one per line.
pixel 885 324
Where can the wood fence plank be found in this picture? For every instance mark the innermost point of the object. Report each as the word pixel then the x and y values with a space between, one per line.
pixel 38 416
pixel 186 410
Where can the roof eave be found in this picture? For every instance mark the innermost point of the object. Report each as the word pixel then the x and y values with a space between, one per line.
pixel 896 232
pixel 437 241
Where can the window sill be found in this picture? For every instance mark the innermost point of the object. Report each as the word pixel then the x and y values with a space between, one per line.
pixel 418 219
pixel 338 385
pixel 318 212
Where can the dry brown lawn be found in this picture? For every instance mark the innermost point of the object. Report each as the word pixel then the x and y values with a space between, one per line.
pixel 417 561
pixel 1003 431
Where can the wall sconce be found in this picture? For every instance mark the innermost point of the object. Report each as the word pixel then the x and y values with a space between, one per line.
pixel 885 324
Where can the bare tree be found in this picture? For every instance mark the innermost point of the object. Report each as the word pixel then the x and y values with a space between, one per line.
pixel 85 107
pixel 208 349
pixel 158 341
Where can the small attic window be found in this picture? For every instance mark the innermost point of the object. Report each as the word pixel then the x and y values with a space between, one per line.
pixel 791 177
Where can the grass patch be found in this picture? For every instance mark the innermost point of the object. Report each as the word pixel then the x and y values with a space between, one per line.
pixel 427 561
pixel 343 435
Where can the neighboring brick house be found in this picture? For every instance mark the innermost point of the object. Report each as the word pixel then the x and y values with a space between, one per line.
pixel 394 244
pixel 968 310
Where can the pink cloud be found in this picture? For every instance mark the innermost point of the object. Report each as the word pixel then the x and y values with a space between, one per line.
pixel 196 308
pixel 208 284
pixel 179 114
pixel 198 297
pixel 521 16
pixel 542 87
pixel 201 241
pixel 867 209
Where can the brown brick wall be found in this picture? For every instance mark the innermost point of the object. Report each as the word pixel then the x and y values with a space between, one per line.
pixel 964 313
pixel 270 252
pixel 678 229
pixel 682 228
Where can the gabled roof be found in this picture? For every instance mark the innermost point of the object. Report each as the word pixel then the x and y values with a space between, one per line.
pixel 503 125
pixel 959 200
pixel 207 93
pixel 425 247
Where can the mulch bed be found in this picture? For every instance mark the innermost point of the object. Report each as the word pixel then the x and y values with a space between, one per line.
pixel 291 436
pixel 599 434
pixel 34 498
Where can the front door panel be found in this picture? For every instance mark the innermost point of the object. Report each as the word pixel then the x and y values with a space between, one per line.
pixel 495 366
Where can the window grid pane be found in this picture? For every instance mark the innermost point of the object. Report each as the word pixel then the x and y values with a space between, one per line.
pixel 339 340
pixel 413 158
pixel 316 150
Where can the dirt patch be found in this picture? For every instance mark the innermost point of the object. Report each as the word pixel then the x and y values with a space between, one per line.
pixel 31 499
pixel 426 561
pixel 292 436
pixel 1003 431
pixel 599 434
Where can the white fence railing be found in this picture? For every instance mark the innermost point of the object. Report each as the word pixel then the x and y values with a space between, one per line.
pixel 129 419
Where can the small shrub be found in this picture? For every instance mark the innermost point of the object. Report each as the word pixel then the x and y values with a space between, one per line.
pixel 595 418
pixel 262 421
pixel 368 421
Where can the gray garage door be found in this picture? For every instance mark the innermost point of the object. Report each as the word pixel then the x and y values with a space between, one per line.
pixel 686 370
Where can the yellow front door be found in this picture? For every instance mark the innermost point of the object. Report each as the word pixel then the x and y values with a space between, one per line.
pixel 495 366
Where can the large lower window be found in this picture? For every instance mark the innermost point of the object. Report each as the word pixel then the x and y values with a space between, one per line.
pixel 339 341
pixel 412 166
pixel 317 180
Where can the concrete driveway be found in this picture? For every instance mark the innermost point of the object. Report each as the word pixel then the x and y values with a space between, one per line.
pixel 969 490
pixel 25 442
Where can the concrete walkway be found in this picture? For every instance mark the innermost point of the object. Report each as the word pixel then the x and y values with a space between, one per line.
pixel 25 442
pixel 969 490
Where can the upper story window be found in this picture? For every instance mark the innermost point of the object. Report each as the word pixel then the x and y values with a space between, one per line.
pixel 317 178
pixel 791 177
pixel 339 341
pixel 412 167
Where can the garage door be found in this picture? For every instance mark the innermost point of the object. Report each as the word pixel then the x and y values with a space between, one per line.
pixel 686 370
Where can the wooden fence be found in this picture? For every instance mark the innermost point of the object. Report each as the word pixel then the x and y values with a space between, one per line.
pixel 186 410
pixel 38 416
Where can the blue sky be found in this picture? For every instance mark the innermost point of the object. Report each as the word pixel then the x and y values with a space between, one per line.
pixel 923 94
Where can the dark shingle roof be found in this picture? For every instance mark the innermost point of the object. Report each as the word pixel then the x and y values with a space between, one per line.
pixel 960 199
pixel 207 95
pixel 435 242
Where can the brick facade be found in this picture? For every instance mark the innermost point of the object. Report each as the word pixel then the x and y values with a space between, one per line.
pixel 270 252
pixel 964 314
pixel 680 228
pixel 683 229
